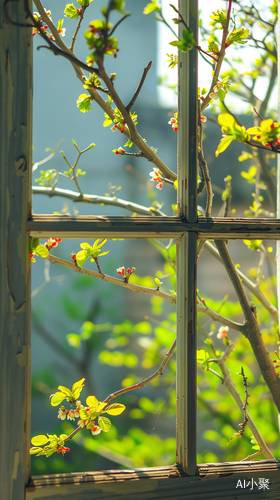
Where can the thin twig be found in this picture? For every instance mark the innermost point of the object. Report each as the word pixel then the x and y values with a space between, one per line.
pixel 219 61
pixel 260 269
pixel 204 166
pixel 81 17
pixel 118 23
pixel 145 72
pixel 244 407
pixel 229 383
pixel 48 158
pixel 199 249
pixel 147 380
pixel 47 280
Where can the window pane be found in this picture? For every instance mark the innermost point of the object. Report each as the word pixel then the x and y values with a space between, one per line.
pixel 84 327
pixel 221 312
pixel 245 94
pixel 102 171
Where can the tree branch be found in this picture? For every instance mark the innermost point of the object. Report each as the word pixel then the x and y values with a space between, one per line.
pixel 148 153
pixel 95 199
pixel 248 283
pixel 229 383
pixel 93 93
pixel 59 47
pixel 110 279
pixel 251 328
pixel 221 319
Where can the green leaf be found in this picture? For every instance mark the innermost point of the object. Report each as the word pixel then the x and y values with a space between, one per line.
pixel 62 437
pixel 224 143
pixel 203 357
pixel 92 401
pixel 208 341
pixel 73 339
pixel 39 440
pixel 107 121
pixel 144 327
pixel 118 5
pixel 84 103
pixel 250 174
pixel 238 36
pixel 57 398
pixel 81 257
pixel 84 2
pixel 36 451
pixel 104 423
pixel 71 11
pixel 129 143
pixel 65 390
pixel 77 388
pixel 34 242
pixel 221 94
pixel 114 409
pixel 103 253
pixel 219 17
pixel 60 24
pixel 158 282
pixel 84 414
pixel 176 43
pixel 41 251
pixel 85 246
pixel 254 245
pixel 151 7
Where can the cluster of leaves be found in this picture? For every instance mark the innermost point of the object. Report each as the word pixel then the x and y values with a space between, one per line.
pixel 87 416
pixel 90 252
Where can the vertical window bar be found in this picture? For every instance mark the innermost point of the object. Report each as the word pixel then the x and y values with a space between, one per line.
pixel 278 170
pixel 15 208
pixel 186 248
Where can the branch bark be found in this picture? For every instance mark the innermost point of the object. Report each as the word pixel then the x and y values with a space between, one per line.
pixel 251 328
pixel 229 383
pixel 110 279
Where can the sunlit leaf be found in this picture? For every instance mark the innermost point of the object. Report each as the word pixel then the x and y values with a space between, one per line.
pixel 115 409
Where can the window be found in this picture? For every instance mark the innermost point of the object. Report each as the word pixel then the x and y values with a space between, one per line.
pixel 18 223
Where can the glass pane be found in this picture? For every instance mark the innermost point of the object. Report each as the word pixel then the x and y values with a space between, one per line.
pixel 107 176
pixel 227 345
pixel 244 95
pixel 83 327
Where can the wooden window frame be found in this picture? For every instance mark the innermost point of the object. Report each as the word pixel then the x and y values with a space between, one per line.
pixel 185 480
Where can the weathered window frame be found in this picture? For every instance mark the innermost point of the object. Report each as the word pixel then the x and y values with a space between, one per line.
pixel 184 480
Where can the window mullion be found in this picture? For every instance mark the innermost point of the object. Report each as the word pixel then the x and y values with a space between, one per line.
pixel 186 249
pixel 15 182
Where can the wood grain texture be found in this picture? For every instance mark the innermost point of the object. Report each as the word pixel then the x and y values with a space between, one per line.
pixel 45 226
pixel 212 482
pixel 15 208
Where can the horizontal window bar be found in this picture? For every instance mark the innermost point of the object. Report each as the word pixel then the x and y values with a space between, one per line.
pixel 44 226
